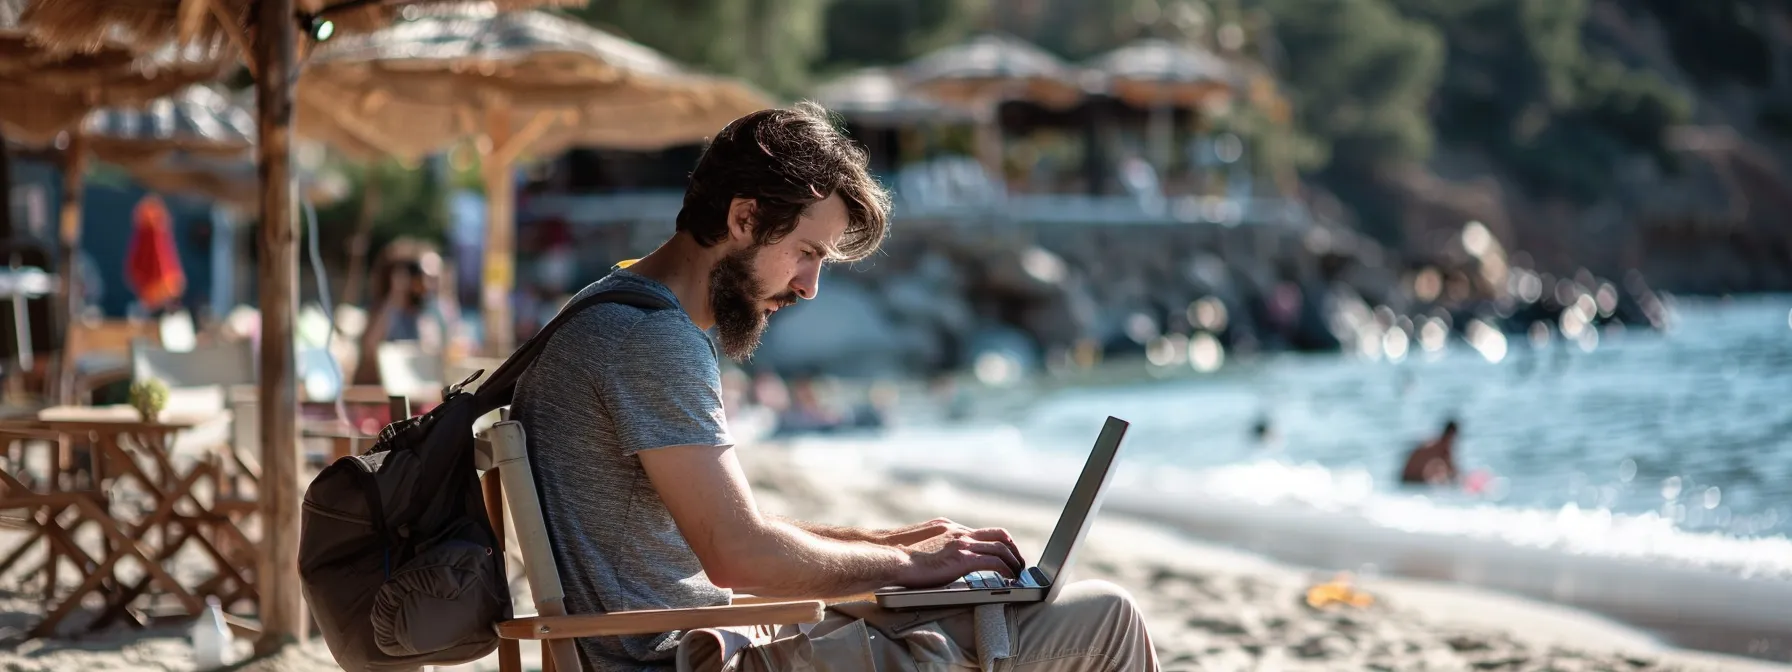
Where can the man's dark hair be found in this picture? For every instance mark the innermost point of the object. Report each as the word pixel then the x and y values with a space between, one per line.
pixel 784 160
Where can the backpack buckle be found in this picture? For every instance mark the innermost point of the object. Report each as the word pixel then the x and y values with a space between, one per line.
pixel 462 385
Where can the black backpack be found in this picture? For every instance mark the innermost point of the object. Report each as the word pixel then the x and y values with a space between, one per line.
pixel 396 554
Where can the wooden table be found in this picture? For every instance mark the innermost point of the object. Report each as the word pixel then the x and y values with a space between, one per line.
pixel 150 497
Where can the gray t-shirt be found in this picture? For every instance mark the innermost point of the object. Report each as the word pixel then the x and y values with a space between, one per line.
pixel 613 381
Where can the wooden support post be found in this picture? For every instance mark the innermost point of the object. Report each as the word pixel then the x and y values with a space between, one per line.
pixel 68 303
pixel 5 194
pixel 988 138
pixel 500 237
pixel 282 607
pixel 1160 133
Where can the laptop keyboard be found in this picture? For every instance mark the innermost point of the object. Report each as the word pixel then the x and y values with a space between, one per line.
pixel 988 580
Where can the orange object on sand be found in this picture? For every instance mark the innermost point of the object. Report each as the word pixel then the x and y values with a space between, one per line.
pixel 1337 591
pixel 151 265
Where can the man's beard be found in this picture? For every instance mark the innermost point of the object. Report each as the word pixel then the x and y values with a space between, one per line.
pixel 738 302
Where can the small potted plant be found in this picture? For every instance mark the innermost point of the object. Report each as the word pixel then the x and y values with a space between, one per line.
pixel 149 397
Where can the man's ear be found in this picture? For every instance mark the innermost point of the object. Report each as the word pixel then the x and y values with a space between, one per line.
pixel 743 215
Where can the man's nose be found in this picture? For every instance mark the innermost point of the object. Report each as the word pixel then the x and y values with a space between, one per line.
pixel 807 282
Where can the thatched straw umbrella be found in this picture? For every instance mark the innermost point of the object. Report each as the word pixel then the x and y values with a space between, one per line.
pixel 518 83
pixel 46 91
pixel 989 69
pixel 86 25
pixel 197 142
pixel 229 181
pixel 1160 75
pixel 878 96
pixel 199 120
pixel 266 33
pixel 20 52
pixel 1150 71
pixel 687 109
pixel 45 88
pixel 39 101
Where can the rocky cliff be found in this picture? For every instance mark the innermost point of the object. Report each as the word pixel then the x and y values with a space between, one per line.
pixel 1707 213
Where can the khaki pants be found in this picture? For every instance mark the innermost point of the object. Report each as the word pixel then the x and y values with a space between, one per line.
pixel 1092 626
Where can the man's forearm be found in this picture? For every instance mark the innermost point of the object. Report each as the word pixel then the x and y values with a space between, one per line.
pixel 795 562
pixel 836 532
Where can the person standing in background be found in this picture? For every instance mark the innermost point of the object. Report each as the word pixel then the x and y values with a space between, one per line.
pixel 407 281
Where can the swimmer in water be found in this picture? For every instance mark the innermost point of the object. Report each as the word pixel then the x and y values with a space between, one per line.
pixel 1433 462
pixel 1263 435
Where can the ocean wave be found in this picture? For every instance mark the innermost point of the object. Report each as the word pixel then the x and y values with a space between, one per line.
pixel 1224 502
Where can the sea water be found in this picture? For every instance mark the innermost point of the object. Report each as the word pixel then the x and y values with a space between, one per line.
pixel 1672 447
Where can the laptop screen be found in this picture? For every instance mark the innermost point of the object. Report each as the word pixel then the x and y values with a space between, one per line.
pixel 1085 498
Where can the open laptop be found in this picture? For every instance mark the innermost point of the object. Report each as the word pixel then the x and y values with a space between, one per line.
pixel 1040 582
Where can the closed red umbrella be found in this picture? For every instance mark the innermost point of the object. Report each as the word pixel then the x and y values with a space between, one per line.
pixel 152 266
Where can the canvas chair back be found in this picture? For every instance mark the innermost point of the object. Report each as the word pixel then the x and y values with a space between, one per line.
pixel 507 448
pixel 504 447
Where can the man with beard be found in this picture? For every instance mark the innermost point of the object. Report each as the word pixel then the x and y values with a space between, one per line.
pixel 645 503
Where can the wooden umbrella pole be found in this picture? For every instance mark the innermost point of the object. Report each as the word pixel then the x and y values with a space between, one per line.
pixel 1161 129
pixel 504 150
pixel 6 193
pixel 500 236
pixel 277 579
pixel 68 305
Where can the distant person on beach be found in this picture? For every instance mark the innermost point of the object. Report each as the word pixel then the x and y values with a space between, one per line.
pixel 645 500
pixel 407 284
pixel 1433 462
pixel 1264 436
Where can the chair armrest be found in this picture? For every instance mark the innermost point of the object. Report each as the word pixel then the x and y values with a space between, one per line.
pixel 655 621
pixel 742 598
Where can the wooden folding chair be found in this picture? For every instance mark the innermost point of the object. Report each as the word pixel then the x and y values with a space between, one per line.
pixel 509 480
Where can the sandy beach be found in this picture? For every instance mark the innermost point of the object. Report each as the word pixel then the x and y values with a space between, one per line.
pixel 1211 608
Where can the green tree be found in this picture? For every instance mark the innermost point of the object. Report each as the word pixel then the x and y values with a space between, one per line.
pixel 879 32
pixel 1522 86
pixel 409 201
pixel 773 43
pixel 1360 76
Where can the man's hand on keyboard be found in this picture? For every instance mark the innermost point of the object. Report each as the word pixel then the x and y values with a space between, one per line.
pixel 954 551
pixel 938 527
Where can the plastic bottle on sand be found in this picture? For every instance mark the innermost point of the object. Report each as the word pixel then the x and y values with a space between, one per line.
pixel 213 642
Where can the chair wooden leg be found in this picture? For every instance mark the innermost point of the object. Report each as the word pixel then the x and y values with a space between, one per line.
pixel 510 653
pixel 510 656
pixel 19 553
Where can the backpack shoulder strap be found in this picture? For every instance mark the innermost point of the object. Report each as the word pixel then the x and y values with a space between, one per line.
pixel 502 383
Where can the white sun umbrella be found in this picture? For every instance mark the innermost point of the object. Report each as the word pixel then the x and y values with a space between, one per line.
pixel 1160 75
